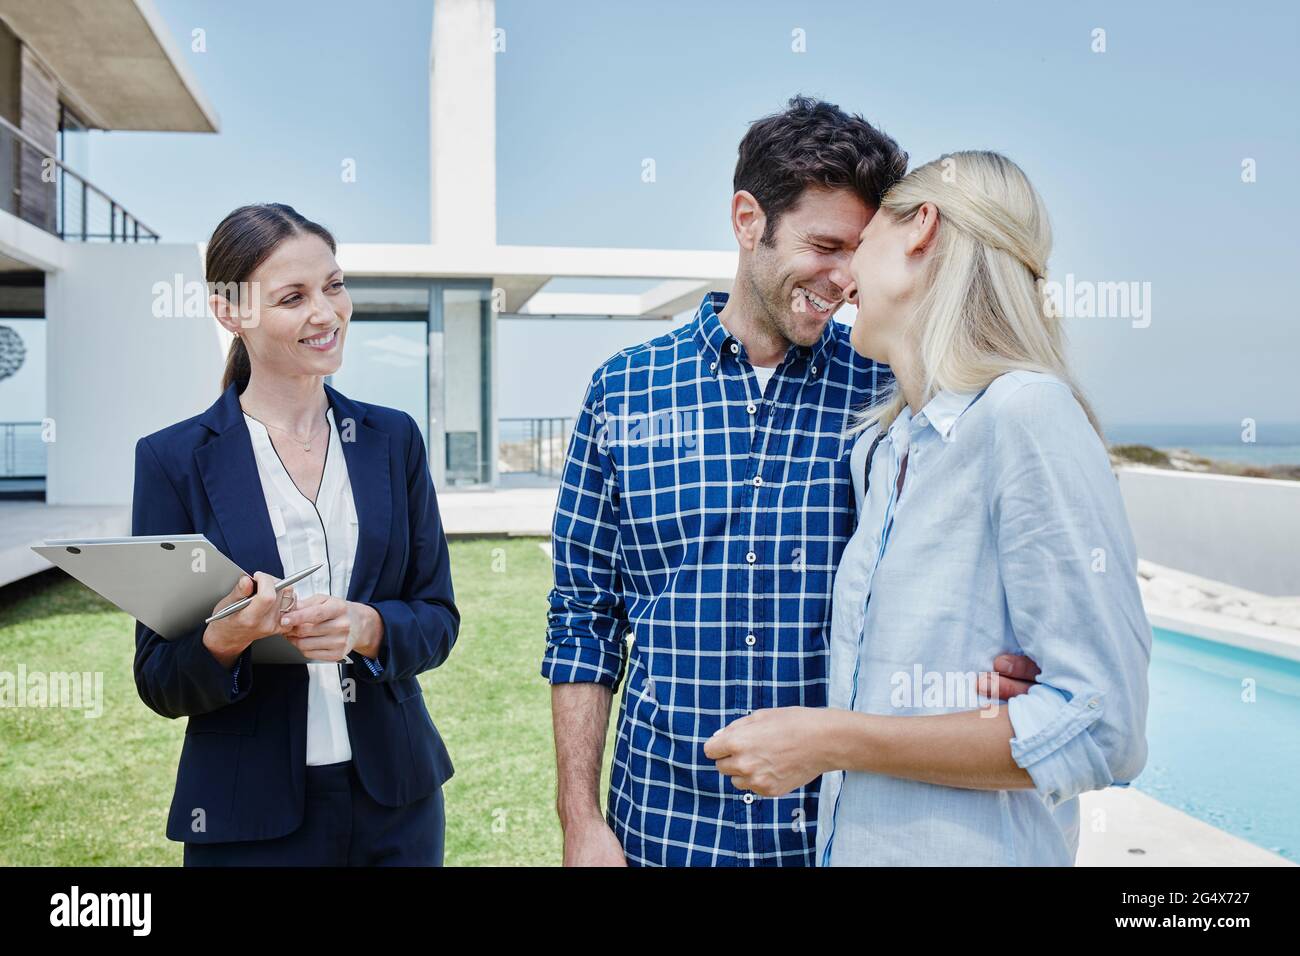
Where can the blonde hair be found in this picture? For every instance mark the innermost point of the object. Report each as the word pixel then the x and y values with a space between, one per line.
pixel 985 311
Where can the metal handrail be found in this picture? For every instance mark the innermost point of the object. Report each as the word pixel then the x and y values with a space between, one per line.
pixel 543 432
pixel 9 450
pixel 114 205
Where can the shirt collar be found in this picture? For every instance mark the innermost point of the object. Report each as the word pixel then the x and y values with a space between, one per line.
pixel 713 339
pixel 711 336
pixel 943 410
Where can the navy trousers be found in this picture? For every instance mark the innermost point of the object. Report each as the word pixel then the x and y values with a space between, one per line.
pixel 341 826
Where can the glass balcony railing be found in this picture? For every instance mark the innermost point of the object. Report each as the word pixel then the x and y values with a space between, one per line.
pixel 38 188
pixel 22 450
pixel 533 446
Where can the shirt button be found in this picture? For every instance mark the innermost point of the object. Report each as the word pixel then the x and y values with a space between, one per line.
pixel 751 408
pixel 751 640
pixel 751 557
pixel 758 481
pixel 713 366
pixel 748 798
pixel 735 349
pixel 1093 703
pixel 814 369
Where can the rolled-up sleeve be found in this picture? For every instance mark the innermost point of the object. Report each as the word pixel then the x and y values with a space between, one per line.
pixel 1069 567
pixel 586 622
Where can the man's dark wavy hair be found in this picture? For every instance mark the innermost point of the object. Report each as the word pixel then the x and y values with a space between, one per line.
pixel 814 143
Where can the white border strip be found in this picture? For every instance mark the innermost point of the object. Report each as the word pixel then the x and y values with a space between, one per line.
pixel 1235 632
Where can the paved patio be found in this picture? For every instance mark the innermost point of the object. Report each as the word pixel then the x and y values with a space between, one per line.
pixel 466 514
pixel 27 523
pixel 1122 826
pixel 514 512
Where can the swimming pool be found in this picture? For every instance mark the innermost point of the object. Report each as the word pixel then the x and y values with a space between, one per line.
pixel 1233 764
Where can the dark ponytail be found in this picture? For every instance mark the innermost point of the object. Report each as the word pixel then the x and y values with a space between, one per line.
pixel 238 368
pixel 240 244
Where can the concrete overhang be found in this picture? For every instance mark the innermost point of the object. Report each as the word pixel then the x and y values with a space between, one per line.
pixel 115 62
pixel 24 247
pixel 683 275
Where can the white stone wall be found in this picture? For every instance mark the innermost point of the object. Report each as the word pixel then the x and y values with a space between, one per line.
pixel 116 371
pixel 1242 531
pixel 462 123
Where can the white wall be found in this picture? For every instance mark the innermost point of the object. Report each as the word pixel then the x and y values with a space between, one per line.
pixel 463 342
pixel 115 370
pixel 462 123
pixel 544 365
pixel 1242 531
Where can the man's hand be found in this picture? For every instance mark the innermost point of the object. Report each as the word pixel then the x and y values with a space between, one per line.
pixel 773 751
pixel 592 843
pixel 1012 675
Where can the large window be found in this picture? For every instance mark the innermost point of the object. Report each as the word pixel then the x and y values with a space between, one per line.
pixel 386 356
pixel 468 415
pixel 74 152
pixel 426 347
pixel 74 141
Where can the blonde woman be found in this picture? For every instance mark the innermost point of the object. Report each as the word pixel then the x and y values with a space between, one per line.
pixel 989 523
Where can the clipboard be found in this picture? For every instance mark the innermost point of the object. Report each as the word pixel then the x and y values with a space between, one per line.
pixel 170 583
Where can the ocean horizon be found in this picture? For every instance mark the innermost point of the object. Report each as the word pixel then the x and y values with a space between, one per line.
pixel 1275 443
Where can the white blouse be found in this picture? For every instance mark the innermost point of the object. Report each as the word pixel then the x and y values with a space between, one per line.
pixel 306 534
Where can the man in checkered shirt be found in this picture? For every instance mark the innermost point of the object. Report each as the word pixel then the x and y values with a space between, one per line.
pixel 704 505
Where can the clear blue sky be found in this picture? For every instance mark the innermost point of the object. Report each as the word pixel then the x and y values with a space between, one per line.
pixel 1137 150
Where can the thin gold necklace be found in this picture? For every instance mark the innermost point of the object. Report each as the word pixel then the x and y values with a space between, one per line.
pixel 306 446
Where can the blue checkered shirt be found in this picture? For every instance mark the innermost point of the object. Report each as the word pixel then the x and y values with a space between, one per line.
pixel 703 520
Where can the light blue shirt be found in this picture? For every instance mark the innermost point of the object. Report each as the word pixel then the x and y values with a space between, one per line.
pixel 1009 537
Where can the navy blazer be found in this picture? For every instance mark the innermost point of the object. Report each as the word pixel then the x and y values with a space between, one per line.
pixel 241 773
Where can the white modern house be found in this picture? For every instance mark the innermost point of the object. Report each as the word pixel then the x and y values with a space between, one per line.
pixel 74 354
pixel 90 298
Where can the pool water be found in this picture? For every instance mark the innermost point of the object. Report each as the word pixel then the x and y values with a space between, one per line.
pixel 1233 764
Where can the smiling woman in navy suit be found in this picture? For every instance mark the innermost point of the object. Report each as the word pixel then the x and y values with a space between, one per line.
pixel 334 762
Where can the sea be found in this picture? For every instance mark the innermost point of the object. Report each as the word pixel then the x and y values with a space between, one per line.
pixel 1274 444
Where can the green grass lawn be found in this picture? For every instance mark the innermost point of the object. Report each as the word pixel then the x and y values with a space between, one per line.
pixel 91 791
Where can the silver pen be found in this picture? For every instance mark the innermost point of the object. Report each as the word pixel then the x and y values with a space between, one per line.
pixel 280 586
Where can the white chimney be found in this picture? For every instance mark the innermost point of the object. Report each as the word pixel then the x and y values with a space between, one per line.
pixel 462 124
